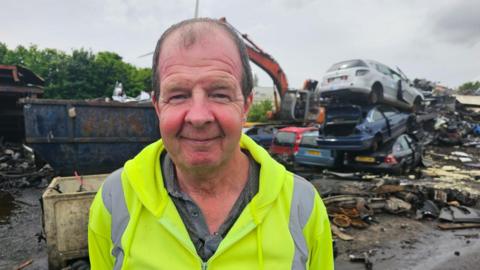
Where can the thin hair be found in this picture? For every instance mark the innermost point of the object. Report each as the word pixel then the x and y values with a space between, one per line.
pixel 189 36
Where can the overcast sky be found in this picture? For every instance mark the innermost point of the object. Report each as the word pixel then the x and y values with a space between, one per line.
pixel 434 39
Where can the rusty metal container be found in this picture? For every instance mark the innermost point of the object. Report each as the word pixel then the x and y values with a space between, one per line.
pixel 66 204
pixel 89 137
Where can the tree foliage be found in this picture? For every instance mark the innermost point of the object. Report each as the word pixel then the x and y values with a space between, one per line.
pixel 79 75
pixel 468 88
pixel 258 111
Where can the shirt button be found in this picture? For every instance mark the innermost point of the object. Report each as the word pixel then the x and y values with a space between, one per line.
pixel 195 213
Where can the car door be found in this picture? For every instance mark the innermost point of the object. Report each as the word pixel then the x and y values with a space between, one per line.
pixel 402 150
pixel 396 120
pixel 377 123
pixel 389 85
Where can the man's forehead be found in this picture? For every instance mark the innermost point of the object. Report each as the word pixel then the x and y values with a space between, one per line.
pixel 200 40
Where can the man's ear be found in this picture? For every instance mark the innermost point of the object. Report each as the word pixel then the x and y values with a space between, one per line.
pixel 247 105
pixel 155 105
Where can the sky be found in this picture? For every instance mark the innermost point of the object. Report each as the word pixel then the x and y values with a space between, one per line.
pixel 434 39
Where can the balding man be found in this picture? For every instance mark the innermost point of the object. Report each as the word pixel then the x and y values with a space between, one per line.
pixel 205 196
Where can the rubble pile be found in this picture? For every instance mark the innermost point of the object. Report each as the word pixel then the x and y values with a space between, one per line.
pixel 18 168
pixel 454 126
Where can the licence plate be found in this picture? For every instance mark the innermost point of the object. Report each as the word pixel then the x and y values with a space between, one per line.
pixel 365 159
pixel 314 153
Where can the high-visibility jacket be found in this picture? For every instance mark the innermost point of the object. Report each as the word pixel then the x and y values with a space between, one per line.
pixel 134 224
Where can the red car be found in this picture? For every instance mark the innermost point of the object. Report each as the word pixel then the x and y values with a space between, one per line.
pixel 287 141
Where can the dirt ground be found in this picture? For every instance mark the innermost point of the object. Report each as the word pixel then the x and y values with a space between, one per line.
pixel 20 225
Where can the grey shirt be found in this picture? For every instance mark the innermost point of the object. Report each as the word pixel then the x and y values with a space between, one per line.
pixel 205 243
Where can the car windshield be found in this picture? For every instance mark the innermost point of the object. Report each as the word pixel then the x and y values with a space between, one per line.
pixel 347 64
pixel 284 138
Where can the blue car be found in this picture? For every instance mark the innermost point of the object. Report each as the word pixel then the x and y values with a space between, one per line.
pixel 355 128
pixel 310 154
pixel 263 134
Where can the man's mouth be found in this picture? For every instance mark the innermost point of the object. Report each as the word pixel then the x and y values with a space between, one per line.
pixel 200 139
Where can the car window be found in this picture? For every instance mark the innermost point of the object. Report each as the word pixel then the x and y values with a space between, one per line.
pixel 284 138
pixel 396 77
pixel 401 144
pixel 252 131
pixel 383 69
pixel 389 111
pixel 375 115
pixel 309 141
pixel 347 64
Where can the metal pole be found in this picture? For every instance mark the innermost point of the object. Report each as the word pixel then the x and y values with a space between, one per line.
pixel 196 8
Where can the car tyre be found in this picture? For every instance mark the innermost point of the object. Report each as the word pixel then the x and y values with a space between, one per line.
pixel 377 142
pixel 417 105
pixel 376 95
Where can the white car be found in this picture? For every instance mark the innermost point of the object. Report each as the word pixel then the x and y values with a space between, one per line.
pixel 360 78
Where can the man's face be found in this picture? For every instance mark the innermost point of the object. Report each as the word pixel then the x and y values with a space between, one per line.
pixel 200 107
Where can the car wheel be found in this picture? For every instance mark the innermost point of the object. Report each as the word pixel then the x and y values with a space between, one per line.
pixel 377 142
pixel 376 95
pixel 417 105
pixel 373 97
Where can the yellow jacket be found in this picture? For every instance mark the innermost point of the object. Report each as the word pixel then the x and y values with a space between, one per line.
pixel 134 224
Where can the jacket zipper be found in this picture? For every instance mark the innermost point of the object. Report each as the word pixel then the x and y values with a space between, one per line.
pixel 204 265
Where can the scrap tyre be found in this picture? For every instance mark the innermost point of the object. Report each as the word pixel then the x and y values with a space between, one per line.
pixel 80 265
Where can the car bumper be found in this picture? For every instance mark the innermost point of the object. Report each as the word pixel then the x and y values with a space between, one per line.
pixel 353 143
pixel 377 168
pixel 344 91
pixel 314 161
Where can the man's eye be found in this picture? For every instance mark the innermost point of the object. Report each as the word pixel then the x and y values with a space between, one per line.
pixel 220 97
pixel 175 99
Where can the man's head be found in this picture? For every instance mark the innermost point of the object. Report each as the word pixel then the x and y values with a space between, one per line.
pixel 203 96
pixel 190 35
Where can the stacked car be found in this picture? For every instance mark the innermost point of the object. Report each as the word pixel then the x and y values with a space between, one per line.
pixel 368 118
pixel 369 115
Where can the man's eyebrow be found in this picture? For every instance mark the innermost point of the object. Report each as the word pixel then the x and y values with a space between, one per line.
pixel 221 83
pixel 176 85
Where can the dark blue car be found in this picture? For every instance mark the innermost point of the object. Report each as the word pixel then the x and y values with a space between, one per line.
pixel 355 128
pixel 263 133
pixel 397 156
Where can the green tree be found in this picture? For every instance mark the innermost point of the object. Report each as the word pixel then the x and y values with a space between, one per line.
pixel 258 111
pixel 468 88
pixel 79 75
pixel 3 51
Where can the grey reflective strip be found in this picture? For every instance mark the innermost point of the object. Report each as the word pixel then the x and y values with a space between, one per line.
pixel 114 201
pixel 300 211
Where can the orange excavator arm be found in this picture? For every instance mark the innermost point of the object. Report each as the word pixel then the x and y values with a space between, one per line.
pixel 265 62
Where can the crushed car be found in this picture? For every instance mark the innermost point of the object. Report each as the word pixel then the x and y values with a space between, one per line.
pixel 286 142
pixel 262 134
pixel 398 156
pixel 355 128
pixel 370 80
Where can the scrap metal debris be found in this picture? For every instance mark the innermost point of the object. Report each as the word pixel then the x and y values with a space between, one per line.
pixel 18 167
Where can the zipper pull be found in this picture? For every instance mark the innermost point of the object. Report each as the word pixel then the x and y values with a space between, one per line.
pixel 204 266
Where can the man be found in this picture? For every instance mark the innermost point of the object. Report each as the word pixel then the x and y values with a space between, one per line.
pixel 205 196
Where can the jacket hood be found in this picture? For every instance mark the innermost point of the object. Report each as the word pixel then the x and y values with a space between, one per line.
pixel 144 175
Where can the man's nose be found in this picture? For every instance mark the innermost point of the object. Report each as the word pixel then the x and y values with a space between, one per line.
pixel 199 112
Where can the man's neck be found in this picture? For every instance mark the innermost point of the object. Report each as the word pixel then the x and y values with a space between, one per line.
pixel 226 178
